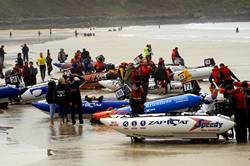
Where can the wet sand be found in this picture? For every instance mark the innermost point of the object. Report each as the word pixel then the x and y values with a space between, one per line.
pixel 98 145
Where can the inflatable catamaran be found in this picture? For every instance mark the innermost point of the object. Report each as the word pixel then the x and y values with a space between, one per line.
pixel 162 127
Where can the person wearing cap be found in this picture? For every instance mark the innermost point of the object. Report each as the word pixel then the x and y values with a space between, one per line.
pixel 226 75
pixel 237 102
pixel 51 100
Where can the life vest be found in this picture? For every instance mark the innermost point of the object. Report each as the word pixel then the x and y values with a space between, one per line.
pixel 137 93
pixel 121 72
pixel 144 69
pixel 226 73
pixel 99 65
pixel 174 54
pixel 215 75
pixel 240 98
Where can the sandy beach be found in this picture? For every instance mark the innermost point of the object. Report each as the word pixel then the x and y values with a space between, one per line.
pixel 97 145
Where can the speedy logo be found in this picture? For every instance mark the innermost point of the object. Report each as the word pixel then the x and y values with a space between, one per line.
pixel 170 121
pixel 202 123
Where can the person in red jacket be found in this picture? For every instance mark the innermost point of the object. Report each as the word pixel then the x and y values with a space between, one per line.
pixel 238 104
pixel 214 78
pixel 144 73
pixel 137 99
pixel 226 75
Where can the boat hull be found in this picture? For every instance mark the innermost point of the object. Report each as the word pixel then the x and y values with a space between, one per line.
pixel 170 126
pixel 87 107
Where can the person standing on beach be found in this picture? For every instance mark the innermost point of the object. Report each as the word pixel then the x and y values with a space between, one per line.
pixel 33 72
pixel 39 33
pixel 76 101
pixel 49 62
pixel 2 54
pixel 41 62
pixel 25 51
pixel 19 60
pixel 51 99
pixel 26 74
pixel 76 33
pixel 62 99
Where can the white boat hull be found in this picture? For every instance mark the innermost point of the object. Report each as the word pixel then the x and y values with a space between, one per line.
pixel 174 87
pixel 170 126
pixel 197 73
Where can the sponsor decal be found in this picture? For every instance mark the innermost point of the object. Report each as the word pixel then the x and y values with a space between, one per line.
pixel 125 124
pixel 134 123
pixel 143 123
pixel 204 124
pixel 171 121
pixel 91 105
pixel 113 123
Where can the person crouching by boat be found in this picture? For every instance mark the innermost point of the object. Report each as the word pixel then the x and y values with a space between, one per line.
pixel 246 90
pixel 100 65
pixel 214 77
pixel 161 77
pixel 137 100
pixel 76 101
pixel 237 101
pixel 62 99
pixel 226 75
pixel 51 100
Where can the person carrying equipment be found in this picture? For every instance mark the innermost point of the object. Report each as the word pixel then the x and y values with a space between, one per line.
pixel 176 58
pixel 226 75
pixel 214 77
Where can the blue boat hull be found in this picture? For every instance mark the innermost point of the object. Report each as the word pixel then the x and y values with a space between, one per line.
pixel 8 91
pixel 87 107
pixel 176 103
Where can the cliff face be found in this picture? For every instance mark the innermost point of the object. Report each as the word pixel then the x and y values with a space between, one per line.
pixel 71 12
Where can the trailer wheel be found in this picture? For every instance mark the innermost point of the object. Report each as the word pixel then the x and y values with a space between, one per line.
pixel 136 140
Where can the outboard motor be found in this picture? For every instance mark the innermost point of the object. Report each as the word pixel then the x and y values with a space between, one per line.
pixel 222 107
pixel 209 62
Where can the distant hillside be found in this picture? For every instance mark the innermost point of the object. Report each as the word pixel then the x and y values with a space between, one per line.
pixel 60 13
